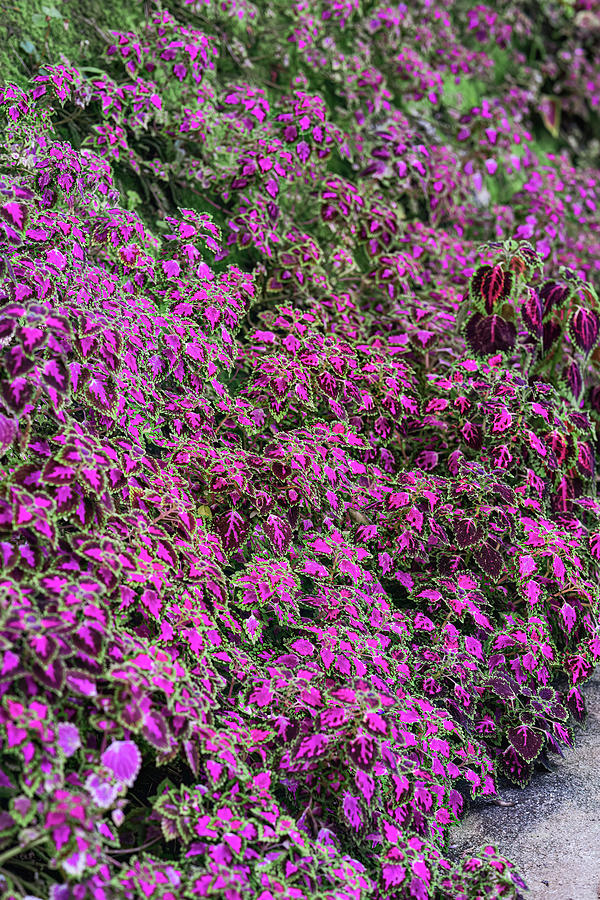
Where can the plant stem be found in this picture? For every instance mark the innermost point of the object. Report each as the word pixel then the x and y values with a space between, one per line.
pixel 136 849
pixel 14 851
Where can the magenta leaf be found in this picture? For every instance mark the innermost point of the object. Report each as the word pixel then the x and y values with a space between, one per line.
pixel 278 532
pixel 333 718
pixel 366 785
pixel 8 431
pixel 69 740
pixel 124 760
pixel 311 746
pixel 352 811
pixel 156 731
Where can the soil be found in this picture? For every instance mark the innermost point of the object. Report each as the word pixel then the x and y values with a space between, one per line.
pixel 553 831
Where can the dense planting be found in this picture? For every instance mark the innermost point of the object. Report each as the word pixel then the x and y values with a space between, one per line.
pixel 299 399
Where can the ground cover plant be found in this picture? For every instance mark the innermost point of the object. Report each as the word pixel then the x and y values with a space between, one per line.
pixel 299 405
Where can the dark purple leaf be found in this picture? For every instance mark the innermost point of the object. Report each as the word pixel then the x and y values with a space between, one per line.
pixel 526 741
pixel 584 328
pixel 576 704
pixel 553 295
pixel 531 313
pixel 552 332
pixel 507 493
pixel 16 393
pixel 586 460
pixel 473 435
pixel 568 490
pixel 561 445
pixel 467 533
pixel 490 334
pixel 502 688
pixel 232 528
pixel 515 767
pixel 51 676
pixel 100 392
pixel 489 560
pixel 574 378
pixel 594 398
pixel 362 751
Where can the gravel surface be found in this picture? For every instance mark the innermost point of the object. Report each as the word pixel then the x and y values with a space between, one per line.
pixel 553 831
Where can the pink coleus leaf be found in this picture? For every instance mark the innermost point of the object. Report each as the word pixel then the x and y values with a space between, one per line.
pixel 124 760
pixel 104 793
pixel 568 615
pixel 365 784
pixel 8 431
pixel 278 532
pixel 312 745
pixel 527 565
pixel 68 738
pixel 533 591
pixel 334 717
pixel 303 647
pixel 502 420
pixel 352 810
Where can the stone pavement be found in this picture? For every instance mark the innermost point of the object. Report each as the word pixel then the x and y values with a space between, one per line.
pixel 553 832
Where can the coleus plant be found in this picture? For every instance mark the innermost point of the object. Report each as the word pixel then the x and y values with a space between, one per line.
pixel 554 323
pixel 287 574
pixel 164 587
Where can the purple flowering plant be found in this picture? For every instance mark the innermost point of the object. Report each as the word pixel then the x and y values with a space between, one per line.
pixel 299 532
